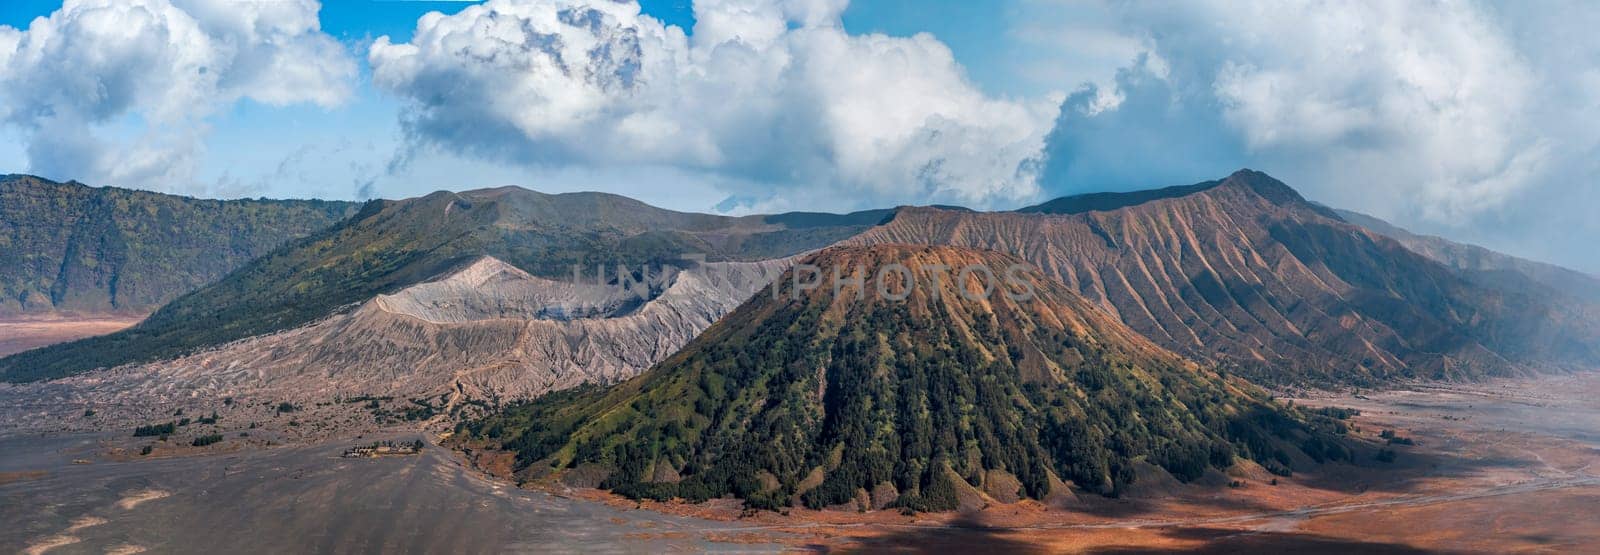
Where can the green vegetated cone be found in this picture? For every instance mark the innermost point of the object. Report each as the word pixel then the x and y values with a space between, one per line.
pixel 930 402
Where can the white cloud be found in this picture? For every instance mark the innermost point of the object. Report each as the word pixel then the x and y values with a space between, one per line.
pixel 1436 87
pixel 1063 44
pixel 774 98
pixel 1429 107
pixel 1467 119
pixel 118 91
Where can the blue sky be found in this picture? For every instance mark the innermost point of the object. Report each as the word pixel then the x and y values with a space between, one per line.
pixel 1471 120
pixel 249 143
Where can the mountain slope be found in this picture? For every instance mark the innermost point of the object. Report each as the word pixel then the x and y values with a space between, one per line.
pixel 1245 273
pixel 393 244
pixel 1092 202
pixel 930 402
pixel 67 247
pixel 1486 265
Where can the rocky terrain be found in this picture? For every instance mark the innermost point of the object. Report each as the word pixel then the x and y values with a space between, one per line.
pixel 1245 273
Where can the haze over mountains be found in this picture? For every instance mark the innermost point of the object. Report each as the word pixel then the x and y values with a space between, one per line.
pixel 1484 264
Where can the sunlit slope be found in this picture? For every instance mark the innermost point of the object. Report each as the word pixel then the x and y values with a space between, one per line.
pixel 1246 274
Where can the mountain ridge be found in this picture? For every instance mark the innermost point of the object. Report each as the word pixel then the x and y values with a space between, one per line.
pixel 1248 274
pixel 1259 182
pixel 1490 265
pixel 1242 272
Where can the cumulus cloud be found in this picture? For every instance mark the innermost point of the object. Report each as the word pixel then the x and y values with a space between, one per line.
pixel 1142 131
pixel 117 91
pixel 773 98
pixel 1421 110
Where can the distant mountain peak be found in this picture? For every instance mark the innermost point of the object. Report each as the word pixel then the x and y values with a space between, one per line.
pixel 504 190
pixel 1245 180
pixel 1266 186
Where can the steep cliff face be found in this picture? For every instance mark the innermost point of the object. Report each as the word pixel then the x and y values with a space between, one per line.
pixel 485 332
pixel 927 392
pixel 67 247
pixel 1245 273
